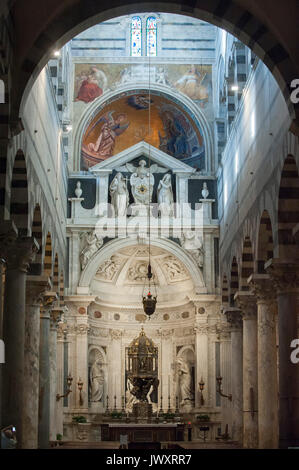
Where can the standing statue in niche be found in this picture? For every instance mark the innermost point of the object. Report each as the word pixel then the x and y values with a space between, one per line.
pixel 91 244
pixel 97 380
pixel 191 242
pixel 185 382
pixel 119 195
pixel 165 196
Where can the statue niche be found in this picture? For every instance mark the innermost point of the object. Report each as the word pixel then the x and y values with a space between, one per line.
pixel 142 377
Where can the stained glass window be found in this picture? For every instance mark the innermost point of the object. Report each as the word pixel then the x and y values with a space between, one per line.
pixel 136 36
pixel 151 36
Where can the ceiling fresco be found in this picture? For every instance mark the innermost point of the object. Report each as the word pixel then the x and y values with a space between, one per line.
pixel 134 117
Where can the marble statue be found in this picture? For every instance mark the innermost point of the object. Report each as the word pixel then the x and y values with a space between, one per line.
pixel 78 190
pixel 205 191
pixel 191 242
pixel 161 76
pixel 91 244
pixel 119 195
pixel 142 181
pixel 185 381
pixel 130 397
pixel 165 196
pixel 97 380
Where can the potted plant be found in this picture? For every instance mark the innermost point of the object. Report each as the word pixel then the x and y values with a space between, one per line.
pixel 59 439
pixel 116 414
pixel 83 428
pixel 203 417
pixel 79 419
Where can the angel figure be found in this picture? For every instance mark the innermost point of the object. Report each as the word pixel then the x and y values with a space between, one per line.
pixel 91 245
pixel 142 180
pixel 104 145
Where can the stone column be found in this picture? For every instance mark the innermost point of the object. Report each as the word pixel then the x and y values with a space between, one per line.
pixel 247 304
pixel 61 337
pixel 285 276
pixel 19 254
pixel 55 317
pixel 75 257
pixel 201 351
pixel 235 319
pixel 225 372
pixel 115 368
pixel 35 287
pixel 44 371
pixel 78 364
pixel 262 288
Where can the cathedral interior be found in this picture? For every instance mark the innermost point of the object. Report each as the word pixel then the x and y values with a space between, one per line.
pixel 149 224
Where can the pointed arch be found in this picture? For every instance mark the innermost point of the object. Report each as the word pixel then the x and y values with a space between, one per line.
pixel 48 256
pixel 288 208
pixel 19 194
pixel 56 275
pixel 265 242
pixel 247 266
pixel 37 233
pixel 234 281
pixel 61 290
pixel 225 294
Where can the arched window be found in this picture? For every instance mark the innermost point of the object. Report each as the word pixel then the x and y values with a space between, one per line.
pixel 151 36
pixel 136 36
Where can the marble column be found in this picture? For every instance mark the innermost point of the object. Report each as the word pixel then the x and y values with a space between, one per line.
pixel 78 351
pixel 115 368
pixel 236 323
pixel 201 352
pixel 35 287
pixel 262 288
pixel 74 241
pixel 19 253
pixel 55 317
pixel 225 372
pixel 61 338
pixel 285 277
pixel 247 304
pixel 44 371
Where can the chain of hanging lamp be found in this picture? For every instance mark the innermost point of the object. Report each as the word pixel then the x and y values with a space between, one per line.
pixel 149 301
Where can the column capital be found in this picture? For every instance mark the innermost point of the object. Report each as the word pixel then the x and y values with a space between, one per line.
pixel 62 330
pixel 36 286
pixel 8 236
pixel 284 275
pixel 48 300
pixel 234 318
pixel 246 302
pixel 262 288
pixel 19 252
pixel 55 316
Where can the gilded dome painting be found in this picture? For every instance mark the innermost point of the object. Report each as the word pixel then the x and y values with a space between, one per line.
pixel 124 122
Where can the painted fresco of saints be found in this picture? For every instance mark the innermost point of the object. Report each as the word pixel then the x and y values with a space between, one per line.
pixel 103 147
pixel 191 85
pixel 89 88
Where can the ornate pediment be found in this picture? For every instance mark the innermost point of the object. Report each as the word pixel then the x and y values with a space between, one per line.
pixel 142 149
